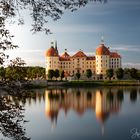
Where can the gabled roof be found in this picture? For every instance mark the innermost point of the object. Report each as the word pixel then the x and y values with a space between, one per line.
pixel 65 57
pixel 114 55
pixel 79 54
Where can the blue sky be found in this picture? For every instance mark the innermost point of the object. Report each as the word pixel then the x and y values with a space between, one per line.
pixel 117 20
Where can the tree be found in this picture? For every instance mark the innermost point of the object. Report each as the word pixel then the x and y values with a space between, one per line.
pixel 50 74
pixel 62 74
pixel 56 73
pixel 119 73
pixel 133 73
pixel 40 10
pixel 109 73
pixel 15 71
pixel 88 73
pixel 2 73
pixel 5 39
pixel 126 71
pixel 78 75
pixel 138 74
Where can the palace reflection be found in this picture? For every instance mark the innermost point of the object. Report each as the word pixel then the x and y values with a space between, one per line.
pixel 103 102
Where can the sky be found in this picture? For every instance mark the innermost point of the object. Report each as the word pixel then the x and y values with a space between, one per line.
pixel 118 21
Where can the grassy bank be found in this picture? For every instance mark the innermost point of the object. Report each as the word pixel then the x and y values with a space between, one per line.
pixel 104 83
pixel 84 83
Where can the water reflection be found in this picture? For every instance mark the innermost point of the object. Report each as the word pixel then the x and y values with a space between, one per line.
pixel 103 102
pixel 133 95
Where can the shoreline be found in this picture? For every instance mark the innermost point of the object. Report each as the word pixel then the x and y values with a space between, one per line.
pixel 83 83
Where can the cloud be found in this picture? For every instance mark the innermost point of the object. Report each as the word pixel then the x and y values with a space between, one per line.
pixel 124 47
pixel 131 65
pixel 77 28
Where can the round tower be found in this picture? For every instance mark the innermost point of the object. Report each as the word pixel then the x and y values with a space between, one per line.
pixel 52 57
pixel 102 59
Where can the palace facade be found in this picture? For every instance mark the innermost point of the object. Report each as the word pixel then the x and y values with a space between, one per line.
pixel 79 62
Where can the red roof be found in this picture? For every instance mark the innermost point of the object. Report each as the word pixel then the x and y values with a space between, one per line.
pixel 102 50
pixel 79 54
pixel 65 57
pixel 51 52
pixel 114 55
pixel 90 57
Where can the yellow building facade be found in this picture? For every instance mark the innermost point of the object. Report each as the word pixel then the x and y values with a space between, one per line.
pixel 80 62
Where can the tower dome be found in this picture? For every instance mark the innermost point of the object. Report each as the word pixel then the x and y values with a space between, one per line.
pixel 51 52
pixel 102 50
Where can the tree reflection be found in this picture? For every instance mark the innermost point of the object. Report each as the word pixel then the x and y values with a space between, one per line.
pixel 12 119
pixel 12 112
pixel 133 95
pixel 120 95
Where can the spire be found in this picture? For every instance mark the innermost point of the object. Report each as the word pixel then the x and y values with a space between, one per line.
pixel 102 39
pixel 55 44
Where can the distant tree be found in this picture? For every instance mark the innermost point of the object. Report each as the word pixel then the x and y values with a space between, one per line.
pixel 50 74
pixel 138 74
pixel 35 72
pixel 126 71
pixel 88 73
pixel 62 75
pixel 78 75
pixel 119 73
pixel 133 73
pixel 15 71
pixel 109 73
pixel 56 73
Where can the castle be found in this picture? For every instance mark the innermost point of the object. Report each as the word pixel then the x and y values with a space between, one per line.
pixel 79 62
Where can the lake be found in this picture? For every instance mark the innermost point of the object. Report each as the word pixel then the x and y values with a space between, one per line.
pixel 101 113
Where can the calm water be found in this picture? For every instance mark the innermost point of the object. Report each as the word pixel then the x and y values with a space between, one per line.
pixel 72 114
